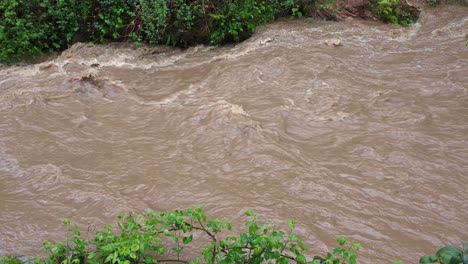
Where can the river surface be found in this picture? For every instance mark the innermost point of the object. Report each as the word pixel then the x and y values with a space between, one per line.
pixel 368 139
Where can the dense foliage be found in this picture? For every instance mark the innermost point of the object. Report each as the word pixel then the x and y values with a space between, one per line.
pixel 392 11
pixel 447 255
pixel 31 27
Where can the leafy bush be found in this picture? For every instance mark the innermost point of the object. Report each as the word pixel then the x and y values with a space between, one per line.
pixel 237 20
pixel 391 11
pixel 29 28
pixel 110 19
pixel 166 22
pixel 447 255
pixel 146 238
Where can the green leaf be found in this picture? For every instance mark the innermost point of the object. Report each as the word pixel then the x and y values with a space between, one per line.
pixel 447 259
pixel 300 259
pixel 283 260
pixel 428 259
pixel 178 250
pixel 292 237
pixel 291 224
pixel 449 255
pixel 135 247
pixel 91 255
pixel 258 250
pixel 356 246
pixel 244 238
pixel 341 240
pixel 187 240
pixel 338 251
pixel 248 213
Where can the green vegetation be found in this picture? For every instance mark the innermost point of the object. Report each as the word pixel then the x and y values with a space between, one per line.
pixel 9 260
pixel 448 255
pixel 32 27
pixel 391 11
pixel 29 28
pixel 162 237
pixel 158 237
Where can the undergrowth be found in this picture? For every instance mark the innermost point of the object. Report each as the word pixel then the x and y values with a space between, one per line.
pixel 31 27
pixel 447 255
pixel 392 11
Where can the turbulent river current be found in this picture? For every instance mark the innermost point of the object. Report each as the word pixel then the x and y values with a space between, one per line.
pixel 367 138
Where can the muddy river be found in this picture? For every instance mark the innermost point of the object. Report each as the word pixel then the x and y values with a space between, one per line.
pixel 368 138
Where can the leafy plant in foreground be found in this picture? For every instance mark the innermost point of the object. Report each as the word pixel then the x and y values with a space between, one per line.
pixel 153 236
pixel 343 254
pixel 161 237
pixel 447 255
pixel 73 250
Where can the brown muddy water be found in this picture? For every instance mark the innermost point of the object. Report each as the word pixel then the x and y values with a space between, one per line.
pixel 368 139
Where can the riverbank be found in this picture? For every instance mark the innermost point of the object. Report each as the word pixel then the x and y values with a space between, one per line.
pixel 39 26
pixel 365 139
